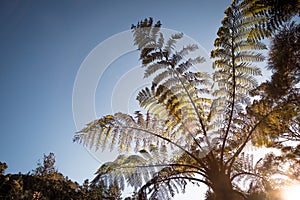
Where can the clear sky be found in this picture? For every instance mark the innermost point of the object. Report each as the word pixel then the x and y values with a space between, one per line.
pixel 44 43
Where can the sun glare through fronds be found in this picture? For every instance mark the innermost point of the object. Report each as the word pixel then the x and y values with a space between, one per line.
pixel 292 192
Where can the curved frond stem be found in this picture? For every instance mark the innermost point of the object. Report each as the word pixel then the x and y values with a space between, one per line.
pixel 168 140
pixel 240 193
pixel 155 98
pixel 151 182
pixel 194 172
pixel 180 121
pixel 198 116
pixel 197 170
pixel 233 99
pixel 240 149
pixel 190 179
pixel 247 173
pixel 193 104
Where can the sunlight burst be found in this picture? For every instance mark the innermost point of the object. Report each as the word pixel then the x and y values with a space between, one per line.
pixel 291 193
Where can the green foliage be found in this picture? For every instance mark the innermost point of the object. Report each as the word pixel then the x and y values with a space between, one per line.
pixel 278 103
pixel 281 94
pixel 284 62
pixel 234 73
pixel 274 12
pixel 196 127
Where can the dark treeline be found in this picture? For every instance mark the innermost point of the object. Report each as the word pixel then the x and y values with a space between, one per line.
pixel 46 182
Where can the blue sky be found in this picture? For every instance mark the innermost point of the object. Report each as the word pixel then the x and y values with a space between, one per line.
pixel 44 43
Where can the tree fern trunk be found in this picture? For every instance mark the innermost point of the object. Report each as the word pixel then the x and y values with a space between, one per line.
pixel 222 187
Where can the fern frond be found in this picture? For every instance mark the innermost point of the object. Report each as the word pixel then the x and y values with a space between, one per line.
pixel 247 81
pixel 222 64
pixel 124 168
pixel 249 57
pixel 170 45
pixel 174 81
pixel 162 76
pixel 150 57
pixel 221 53
pixel 160 41
pixel 221 92
pixel 248 45
pixel 184 66
pixel 247 68
pixel 234 75
pixel 187 49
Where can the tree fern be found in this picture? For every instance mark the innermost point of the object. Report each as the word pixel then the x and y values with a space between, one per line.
pixel 205 123
pixel 233 77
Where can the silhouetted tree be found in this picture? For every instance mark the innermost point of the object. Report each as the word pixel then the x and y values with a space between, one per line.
pixel 281 95
pixel 47 167
pixel 47 183
pixel 3 167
